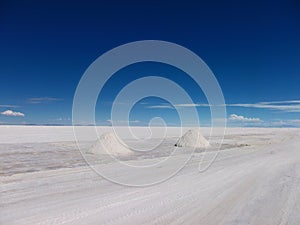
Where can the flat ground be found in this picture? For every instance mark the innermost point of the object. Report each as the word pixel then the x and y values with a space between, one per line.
pixel 254 180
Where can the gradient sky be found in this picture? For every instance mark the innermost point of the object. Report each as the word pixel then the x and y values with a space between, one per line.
pixel 253 48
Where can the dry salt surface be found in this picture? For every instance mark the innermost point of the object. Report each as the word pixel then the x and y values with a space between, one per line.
pixel 254 180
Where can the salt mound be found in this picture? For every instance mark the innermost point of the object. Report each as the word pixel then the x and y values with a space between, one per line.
pixel 109 143
pixel 194 139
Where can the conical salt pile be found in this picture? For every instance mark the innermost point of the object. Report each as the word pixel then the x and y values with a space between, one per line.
pixel 109 143
pixel 194 139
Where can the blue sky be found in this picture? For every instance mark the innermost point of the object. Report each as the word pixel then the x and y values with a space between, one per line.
pixel 252 47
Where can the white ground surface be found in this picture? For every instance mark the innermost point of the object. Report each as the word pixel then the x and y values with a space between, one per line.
pixel 255 180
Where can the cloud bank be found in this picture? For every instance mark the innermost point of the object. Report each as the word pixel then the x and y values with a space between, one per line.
pixel 12 113
pixel 285 106
pixel 234 117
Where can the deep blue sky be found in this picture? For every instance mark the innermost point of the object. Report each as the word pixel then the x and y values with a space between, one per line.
pixel 253 48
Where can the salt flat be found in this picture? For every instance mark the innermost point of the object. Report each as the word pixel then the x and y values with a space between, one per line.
pixel 254 180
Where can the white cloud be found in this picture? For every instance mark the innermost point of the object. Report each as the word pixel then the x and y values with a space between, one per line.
pixel 286 106
pixel 9 106
pixel 289 123
pixel 160 107
pixel 281 102
pixel 191 105
pixel 42 100
pixel 62 119
pixel 176 105
pixel 123 121
pixel 12 113
pixel 234 117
